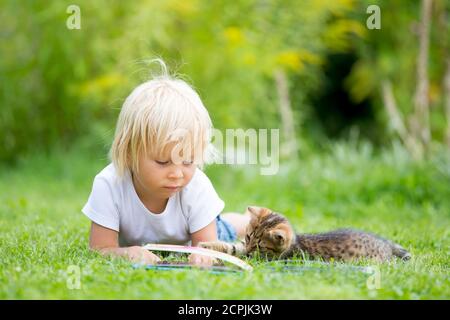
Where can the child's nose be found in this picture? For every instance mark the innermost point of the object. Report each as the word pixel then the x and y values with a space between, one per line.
pixel 176 172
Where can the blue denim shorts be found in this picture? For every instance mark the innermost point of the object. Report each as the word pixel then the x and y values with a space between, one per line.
pixel 225 231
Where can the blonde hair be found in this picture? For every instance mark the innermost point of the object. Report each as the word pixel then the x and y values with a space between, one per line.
pixel 162 113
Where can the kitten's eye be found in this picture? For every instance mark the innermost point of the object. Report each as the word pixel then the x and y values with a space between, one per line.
pixel 162 163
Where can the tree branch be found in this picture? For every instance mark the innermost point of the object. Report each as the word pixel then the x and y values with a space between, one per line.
pixel 396 120
pixel 287 116
pixel 447 100
pixel 420 123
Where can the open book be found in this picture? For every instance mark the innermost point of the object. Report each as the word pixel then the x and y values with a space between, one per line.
pixel 201 251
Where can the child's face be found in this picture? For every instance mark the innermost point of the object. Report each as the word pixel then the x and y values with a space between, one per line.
pixel 162 178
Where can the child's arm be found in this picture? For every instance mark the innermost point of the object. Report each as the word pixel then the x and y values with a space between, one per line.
pixel 106 242
pixel 208 233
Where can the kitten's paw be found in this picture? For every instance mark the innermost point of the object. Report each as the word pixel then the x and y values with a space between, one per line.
pixel 214 245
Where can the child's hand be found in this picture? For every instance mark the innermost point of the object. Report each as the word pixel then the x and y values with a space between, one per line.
pixel 201 260
pixel 140 255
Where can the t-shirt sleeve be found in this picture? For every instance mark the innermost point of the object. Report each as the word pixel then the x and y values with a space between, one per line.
pixel 100 207
pixel 203 202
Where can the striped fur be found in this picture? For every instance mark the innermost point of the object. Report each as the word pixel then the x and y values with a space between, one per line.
pixel 270 234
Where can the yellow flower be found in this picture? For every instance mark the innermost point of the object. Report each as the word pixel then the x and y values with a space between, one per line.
pixel 234 35
pixel 101 84
pixel 290 59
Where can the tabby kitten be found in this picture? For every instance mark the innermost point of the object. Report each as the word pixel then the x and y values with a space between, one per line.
pixel 270 234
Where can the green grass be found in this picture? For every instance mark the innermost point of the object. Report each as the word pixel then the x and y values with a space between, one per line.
pixel 43 232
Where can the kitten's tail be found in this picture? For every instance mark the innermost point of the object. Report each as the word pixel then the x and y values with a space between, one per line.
pixel 400 252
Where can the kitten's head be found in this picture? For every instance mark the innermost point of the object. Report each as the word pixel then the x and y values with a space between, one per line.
pixel 268 233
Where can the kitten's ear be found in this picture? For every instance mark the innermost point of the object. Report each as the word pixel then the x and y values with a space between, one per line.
pixel 258 212
pixel 254 211
pixel 278 236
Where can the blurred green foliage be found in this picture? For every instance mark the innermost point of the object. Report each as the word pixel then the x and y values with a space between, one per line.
pixel 58 84
pixel 391 53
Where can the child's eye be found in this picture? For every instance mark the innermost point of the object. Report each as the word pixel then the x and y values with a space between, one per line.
pixel 162 162
pixel 187 163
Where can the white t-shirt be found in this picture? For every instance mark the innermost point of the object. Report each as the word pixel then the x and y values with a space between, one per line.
pixel 114 204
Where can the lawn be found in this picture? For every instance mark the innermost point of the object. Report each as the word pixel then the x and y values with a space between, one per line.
pixel 44 235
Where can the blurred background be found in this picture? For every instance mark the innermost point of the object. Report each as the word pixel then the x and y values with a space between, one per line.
pixel 312 68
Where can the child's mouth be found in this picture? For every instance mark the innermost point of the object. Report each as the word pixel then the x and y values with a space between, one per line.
pixel 174 188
